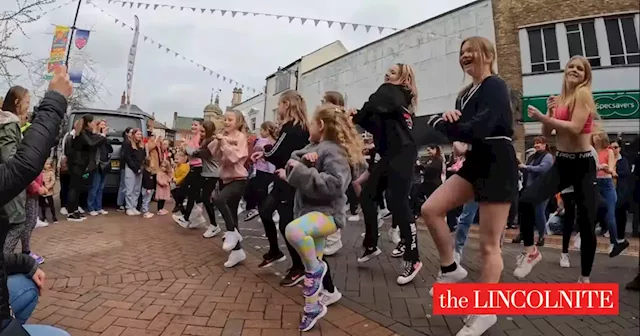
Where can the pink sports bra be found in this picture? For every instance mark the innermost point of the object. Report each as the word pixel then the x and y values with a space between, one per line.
pixel 562 113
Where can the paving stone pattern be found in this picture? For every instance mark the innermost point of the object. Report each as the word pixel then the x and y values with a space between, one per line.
pixel 118 275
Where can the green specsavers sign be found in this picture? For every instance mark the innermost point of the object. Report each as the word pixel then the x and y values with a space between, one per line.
pixel 610 105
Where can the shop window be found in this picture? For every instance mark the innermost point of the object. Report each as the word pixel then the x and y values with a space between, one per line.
pixel 623 40
pixel 581 38
pixel 543 46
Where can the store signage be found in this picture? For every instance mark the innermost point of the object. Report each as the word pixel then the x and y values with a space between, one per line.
pixel 610 105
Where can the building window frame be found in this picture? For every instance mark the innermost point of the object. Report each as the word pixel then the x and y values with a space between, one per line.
pixel 626 57
pixel 547 64
pixel 595 59
pixel 282 82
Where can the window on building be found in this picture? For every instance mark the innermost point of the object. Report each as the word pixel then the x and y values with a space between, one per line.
pixel 253 124
pixel 283 81
pixel 623 40
pixel 581 38
pixel 543 47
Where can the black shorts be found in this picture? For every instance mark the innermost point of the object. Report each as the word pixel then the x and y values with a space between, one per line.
pixel 492 168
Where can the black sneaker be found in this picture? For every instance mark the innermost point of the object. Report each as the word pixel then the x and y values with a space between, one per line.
pixel 251 214
pixel 399 250
pixel 618 248
pixel 517 239
pixel 122 208
pixel 369 253
pixel 269 258
pixel 410 270
pixel 292 278
pixel 540 242
pixel 75 217
pixel 634 285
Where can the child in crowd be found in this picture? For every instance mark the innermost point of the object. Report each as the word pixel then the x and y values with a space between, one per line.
pixel 148 186
pixel 258 185
pixel 321 178
pixel 231 150
pixel 179 189
pixel 163 186
pixel 34 191
pixel 46 200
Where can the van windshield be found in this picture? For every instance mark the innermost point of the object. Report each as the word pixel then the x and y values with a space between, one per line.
pixel 116 123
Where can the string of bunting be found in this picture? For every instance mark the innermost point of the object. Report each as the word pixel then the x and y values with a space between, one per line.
pixel 234 13
pixel 168 50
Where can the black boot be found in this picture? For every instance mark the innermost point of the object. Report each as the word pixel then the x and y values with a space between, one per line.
pixel 634 285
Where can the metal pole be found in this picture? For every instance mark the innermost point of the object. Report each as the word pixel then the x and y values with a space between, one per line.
pixel 73 30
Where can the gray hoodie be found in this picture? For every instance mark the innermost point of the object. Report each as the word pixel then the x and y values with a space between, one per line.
pixel 321 186
pixel 10 137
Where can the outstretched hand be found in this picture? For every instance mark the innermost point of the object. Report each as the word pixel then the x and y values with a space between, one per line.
pixel 61 82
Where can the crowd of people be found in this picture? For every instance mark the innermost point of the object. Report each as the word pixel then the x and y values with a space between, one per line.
pixel 315 171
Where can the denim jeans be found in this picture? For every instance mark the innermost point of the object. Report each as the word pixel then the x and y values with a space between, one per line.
pixel 608 193
pixel 541 217
pixel 133 185
pixel 147 194
pixel 94 201
pixel 469 211
pixel 122 190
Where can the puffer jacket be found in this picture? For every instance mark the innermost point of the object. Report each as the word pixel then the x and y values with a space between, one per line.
pixel 10 137
pixel 17 172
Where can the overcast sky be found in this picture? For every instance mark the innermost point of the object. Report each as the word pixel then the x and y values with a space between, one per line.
pixel 246 49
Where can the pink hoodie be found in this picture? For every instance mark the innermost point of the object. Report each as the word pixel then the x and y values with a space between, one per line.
pixel 34 188
pixel 232 153
pixel 194 144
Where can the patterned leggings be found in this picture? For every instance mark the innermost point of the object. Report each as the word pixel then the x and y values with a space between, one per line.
pixel 307 235
pixel 22 232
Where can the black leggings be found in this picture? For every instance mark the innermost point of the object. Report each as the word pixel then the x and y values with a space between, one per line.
pixel 227 201
pixel 569 219
pixel 327 281
pixel 352 199
pixel 258 189
pixel 208 186
pixel 398 172
pixel 281 199
pixel 46 202
pixel 193 181
pixel 570 169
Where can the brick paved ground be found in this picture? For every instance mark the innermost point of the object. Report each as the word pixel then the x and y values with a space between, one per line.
pixel 116 275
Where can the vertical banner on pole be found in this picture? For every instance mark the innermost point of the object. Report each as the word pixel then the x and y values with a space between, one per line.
pixel 58 50
pixel 132 57
pixel 78 56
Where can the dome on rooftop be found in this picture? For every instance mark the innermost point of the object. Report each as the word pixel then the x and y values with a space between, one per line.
pixel 213 108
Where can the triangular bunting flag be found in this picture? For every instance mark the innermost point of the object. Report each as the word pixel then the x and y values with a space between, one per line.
pixel 193 9
pixel 117 20
pixel 167 50
pixel 184 58
pixel 124 24
pixel 380 29
pixel 131 28
pixel 156 7
pixel 330 23
pixel 223 12
pixel 355 26
pixel 204 69
pixel 316 22
pixel 202 10
pixel 123 3
pixel 342 25
pixel 191 61
pixel 255 14
pixel 175 53
pixel 210 72
pixel 145 38
pixel 367 28
pixel 131 5
pixel 172 7
pixel 291 19
pixel 217 75
pixel 181 8
pixel 233 13
pixel 224 79
pixel 109 1
pixel 212 11
pixel 147 6
pixel 139 4
pixel 303 20
pixel 244 13
pixel 159 45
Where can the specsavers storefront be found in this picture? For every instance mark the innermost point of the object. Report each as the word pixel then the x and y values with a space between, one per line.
pixel 619 111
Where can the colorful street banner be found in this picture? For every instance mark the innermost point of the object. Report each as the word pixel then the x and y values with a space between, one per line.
pixel 78 55
pixel 58 50
pixel 132 57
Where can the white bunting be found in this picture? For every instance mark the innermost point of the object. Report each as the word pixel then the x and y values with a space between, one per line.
pixel 316 21
pixel 355 26
pixel 342 24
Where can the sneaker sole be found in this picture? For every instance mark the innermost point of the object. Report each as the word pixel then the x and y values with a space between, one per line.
pixel 75 219
pixel 294 283
pixel 213 234
pixel 338 298
pixel 279 260
pixel 369 257
pixel 248 218
pixel 397 255
pixel 410 277
pixel 322 313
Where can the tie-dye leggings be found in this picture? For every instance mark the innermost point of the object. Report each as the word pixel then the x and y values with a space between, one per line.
pixel 307 235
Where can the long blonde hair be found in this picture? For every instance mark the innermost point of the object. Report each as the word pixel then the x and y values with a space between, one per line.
pixel 339 128
pixel 241 123
pixel 297 110
pixel 569 96
pixel 483 50
pixel 407 78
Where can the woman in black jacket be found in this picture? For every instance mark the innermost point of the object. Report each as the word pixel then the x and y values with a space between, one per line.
pixel 388 115
pixel 83 150
pixel 16 174
pixel 293 135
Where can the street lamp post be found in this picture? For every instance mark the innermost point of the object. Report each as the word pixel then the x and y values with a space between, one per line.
pixel 73 30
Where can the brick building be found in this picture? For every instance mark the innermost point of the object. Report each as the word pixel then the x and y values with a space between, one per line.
pixel 536 38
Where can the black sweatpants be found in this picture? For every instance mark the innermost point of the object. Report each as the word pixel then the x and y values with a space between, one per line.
pixel 570 169
pixel 227 201
pixel 281 199
pixel 352 199
pixel 194 184
pixel 208 186
pixel 398 172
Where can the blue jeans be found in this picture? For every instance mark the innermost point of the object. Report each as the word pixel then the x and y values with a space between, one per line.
pixel 608 193
pixel 147 194
pixel 541 217
pixel 133 185
pixel 469 211
pixel 122 190
pixel 94 201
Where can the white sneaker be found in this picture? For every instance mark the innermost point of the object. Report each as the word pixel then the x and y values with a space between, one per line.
pixel 526 262
pixel 231 239
pixel 380 222
pixel 179 219
pixel 457 256
pixel 327 299
pixel 131 212
pixel 63 211
pixel 138 213
pixel 40 223
pixel 576 242
pixel 476 325
pixel 103 212
pixel 564 260
pixel 212 231
pixel 93 213
pixel 583 279
pixel 384 214
pixel 147 215
pixel 452 277
pixel 235 257
pixel 354 218
pixel 80 210
pixel 332 248
pixel 394 235
pixel 276 217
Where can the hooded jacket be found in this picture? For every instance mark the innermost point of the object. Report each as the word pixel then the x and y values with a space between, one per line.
pixel 10 137
pixel 17 172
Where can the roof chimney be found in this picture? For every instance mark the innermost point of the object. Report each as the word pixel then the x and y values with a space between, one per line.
pixel 123 99
pixel 237 97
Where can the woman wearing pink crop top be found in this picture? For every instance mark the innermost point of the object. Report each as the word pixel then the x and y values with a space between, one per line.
pixel 572 116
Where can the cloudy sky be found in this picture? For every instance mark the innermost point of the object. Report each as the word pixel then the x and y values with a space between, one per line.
pixel 246 49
